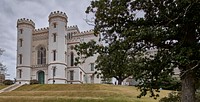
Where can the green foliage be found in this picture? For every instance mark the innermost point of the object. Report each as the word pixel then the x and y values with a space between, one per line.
pixel 172 27
pixel 34 82
pixel 170 84
pixel 175 97
pixel 8 82
pixel 2 67
pixel 172 97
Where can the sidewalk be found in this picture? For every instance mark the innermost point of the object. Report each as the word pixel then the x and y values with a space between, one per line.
pixel 11 87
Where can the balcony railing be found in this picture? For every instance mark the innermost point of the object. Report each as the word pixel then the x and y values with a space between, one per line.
pixel 39 65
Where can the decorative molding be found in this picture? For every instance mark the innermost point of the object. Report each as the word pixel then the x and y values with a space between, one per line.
pixel 57 63
pixel 57 79
pixel 24 66
pixel 40 37
pixel 39 65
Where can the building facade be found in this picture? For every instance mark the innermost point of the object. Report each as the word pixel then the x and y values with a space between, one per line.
pixel 47 54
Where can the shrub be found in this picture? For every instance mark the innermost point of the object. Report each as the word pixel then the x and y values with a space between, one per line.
pixel 34 82
pixel 8 82
pixel 173 84
pixel 175 97
pixel 172 97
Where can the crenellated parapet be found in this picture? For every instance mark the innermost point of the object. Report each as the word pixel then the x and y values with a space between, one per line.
pixel 87 32
pixel 58 14
pixel 26 22
pixel 41 30
pixel 77 37
pixel 73 28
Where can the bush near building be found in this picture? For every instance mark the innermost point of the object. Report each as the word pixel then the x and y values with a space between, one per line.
pixel 8 82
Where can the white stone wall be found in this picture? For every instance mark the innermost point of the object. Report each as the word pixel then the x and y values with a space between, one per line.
pixel 34 38
pixel 25 50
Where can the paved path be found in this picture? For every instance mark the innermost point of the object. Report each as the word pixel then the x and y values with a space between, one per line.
pixel 10 88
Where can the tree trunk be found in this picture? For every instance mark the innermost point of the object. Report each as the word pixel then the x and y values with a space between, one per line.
pixel 188 87
pixel 120 81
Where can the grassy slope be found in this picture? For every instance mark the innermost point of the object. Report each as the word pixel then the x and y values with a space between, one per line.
pixel 75 93
pixel 3 86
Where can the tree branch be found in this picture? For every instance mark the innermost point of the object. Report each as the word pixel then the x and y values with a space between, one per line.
pixel 190 69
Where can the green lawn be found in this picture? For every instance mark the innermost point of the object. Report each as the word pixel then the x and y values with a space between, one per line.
pixel 76 93
pixel 2 86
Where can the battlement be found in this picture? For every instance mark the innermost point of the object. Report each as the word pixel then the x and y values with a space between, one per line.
pixel 87 32
pixel 84 33
pixel 74 26
pixel 41 30
pixel 58 14
pixel 25 21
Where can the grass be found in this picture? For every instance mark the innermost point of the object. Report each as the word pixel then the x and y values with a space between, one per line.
pixel 76 93
pixel 2 86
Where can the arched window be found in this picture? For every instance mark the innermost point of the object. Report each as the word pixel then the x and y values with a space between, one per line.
pixel 72 59
pixel 41 55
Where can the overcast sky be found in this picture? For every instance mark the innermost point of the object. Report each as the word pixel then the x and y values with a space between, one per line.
pixel 38 11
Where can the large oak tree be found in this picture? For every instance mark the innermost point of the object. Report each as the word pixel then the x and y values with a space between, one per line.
pixel 170 26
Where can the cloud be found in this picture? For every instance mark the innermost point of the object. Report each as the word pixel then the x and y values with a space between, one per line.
pixel 38 11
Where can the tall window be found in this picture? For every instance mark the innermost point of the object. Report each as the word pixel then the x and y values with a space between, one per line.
pixel 20 42
pixel 41 56
pixel 92 66
pixel 54 37
pixel 20 73
pixel 54 55
pixel 20 31
pixel 72 59
pixel 71 73
pixel 65 39
pixel 54 25
pixel 54 70
pixel 65 56
pixel 81 76
pixel 20 58
pixel 69 35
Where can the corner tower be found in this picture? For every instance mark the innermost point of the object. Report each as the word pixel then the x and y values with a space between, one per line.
pixel 57 46
pixel 25 29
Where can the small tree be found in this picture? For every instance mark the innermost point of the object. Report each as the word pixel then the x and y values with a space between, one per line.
pixel 2 67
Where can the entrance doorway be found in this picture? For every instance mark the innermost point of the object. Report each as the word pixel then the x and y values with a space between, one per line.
pixel 41 77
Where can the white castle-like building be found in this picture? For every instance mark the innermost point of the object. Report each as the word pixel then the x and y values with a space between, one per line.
pixel 48 54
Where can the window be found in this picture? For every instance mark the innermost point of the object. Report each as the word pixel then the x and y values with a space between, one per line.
pixel 71 73
pixel 20 42
pixel 54 25
pixel 41 55
pixel 72 59
pixel 65 56
pixel 81 76
pixel 20 73
pixel 54 37
pixel 20 58
pixel 69 35
pixel 92 66
pixel 65 39
pixel 54 70
pixel 20 31
pixel 54 55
